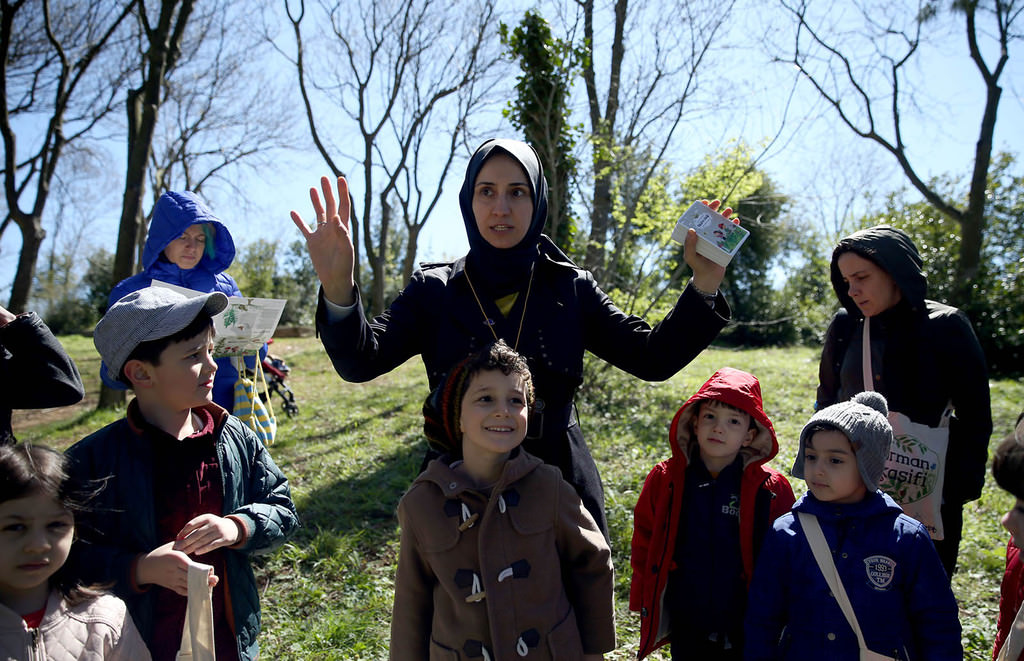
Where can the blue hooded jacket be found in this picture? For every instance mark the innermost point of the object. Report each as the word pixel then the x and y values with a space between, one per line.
pixel 889 569
pixel 173 214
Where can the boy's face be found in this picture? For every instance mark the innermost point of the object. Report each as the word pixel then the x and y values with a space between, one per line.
pixel 830 468
pixel 721 432
pixel 1013 521
pixel 494 415
pixel 184 377
pixel 35 539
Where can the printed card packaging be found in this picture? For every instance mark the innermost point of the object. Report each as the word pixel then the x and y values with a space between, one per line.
pixel 718 238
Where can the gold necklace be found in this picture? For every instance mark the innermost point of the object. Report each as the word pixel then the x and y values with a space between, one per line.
pixel 490 322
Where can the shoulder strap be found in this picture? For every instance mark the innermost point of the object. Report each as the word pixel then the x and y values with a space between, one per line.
pixel 822 555
pixel 865 355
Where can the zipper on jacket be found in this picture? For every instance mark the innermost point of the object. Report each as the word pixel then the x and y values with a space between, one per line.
pixel 34 649
pixel 652 630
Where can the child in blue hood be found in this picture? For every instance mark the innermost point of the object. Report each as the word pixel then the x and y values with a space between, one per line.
pixel 189 247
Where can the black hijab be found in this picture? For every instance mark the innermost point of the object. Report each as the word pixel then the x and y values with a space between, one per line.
pixel 501 271
pixel 893 251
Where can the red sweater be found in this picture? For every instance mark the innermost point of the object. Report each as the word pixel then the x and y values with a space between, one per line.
pixel 189 483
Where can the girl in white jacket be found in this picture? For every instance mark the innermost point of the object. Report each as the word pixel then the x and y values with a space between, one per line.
pixel 45 614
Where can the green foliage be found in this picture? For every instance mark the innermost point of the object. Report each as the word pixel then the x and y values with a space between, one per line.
pixel 70 315
pixel 542 113
pixel 644 209
pixel 98 280
pixel 297 282
pixel 255 267
pixel 355 448
pixel 260 271
pixel 646 269
pixel 808 300
pixel 70 304
pixel 758 311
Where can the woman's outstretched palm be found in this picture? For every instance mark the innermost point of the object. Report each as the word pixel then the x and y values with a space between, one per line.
pixel 330 242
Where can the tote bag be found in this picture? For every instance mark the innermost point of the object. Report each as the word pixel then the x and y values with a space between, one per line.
pixel 197 634
pixel 249 406
pixel 819 547
pixel 916 466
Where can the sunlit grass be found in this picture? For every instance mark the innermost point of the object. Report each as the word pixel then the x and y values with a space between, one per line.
pixel 354 448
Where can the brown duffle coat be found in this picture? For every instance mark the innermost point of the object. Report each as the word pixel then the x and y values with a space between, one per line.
pixel 516 571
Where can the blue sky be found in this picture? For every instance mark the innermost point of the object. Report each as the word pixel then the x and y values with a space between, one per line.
pixel 813 160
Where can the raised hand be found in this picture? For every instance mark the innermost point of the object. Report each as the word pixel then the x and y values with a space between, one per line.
pixel 330 242
pixel 707 275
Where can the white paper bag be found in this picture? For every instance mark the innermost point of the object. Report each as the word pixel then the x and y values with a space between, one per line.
pixel 197 635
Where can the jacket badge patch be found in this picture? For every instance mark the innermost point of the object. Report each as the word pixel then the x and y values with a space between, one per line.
pixel 880 570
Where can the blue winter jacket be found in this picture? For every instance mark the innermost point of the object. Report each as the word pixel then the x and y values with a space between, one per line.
pixel 121 521
pixel 173 214
pixel 890 571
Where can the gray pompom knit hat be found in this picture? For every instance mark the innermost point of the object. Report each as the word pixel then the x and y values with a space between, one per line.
pixel 863 420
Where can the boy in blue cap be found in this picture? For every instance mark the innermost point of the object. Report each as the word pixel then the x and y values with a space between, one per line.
pixel 183 478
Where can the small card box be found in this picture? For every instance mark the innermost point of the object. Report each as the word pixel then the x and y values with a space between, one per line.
pixel 718 238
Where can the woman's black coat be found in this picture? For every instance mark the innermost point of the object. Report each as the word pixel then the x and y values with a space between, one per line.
pixel 437 316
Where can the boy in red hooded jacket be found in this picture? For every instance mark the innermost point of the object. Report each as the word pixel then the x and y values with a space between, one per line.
pixel 1008 469
pixel 701 518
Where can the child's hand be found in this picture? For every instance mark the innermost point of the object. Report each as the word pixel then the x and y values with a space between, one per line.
pixel 207 532
pixel 166 567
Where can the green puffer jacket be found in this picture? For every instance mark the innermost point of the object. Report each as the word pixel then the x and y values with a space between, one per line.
pixel 121 523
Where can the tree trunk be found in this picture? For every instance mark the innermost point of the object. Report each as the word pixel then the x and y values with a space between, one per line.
pixel 600 217
pixel 411 243
pixel 603 131
pixel 32 234
pixel 972 221
pixel 143 108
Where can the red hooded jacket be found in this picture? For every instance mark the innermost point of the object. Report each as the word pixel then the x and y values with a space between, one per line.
pixel 657 513
pixel 1011 595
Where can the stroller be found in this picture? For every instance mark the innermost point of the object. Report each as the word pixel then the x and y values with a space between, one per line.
pixel 276 371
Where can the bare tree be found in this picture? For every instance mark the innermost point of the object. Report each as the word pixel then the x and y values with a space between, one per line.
pixel 405 75
pixel 159 49
pixel 49 53
pixel 645 98
pixel 867 79
pixel 220 112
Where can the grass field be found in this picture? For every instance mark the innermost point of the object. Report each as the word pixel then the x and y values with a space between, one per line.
pixel 354 448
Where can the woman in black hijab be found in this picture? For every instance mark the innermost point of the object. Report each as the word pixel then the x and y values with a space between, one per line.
pixel 924 356
pixel 514 284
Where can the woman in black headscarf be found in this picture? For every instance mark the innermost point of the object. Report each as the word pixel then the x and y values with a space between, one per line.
pixel 514 284
pixel 924 356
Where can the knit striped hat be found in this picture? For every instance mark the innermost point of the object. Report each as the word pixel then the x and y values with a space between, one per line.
pixel 863 420
pixel 443 409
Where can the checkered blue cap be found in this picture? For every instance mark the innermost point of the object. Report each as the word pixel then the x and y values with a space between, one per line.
pixel 144 315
